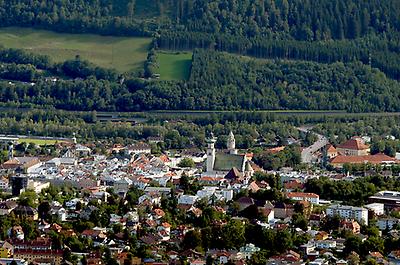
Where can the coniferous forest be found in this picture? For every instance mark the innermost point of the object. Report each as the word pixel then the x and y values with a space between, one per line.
pixel 249 54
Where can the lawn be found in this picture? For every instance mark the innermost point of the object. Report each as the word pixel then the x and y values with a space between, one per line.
pixel 174 66
pixel 121 53
pixel 38 141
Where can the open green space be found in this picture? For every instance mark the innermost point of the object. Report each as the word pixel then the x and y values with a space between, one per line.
pixel 39 141
pixel 174 65
pixel 121 53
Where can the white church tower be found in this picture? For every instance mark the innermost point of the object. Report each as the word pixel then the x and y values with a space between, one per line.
pixel 231 144
pixel 211 152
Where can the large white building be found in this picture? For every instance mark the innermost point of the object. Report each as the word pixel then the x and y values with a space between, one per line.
pixel 303 196
pixel 349 212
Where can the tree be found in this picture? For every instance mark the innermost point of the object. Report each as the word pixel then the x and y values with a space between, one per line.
pixel 28 198
pixel 186 162
pixel 192 240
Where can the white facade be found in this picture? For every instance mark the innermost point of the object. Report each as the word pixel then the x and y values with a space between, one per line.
pixel 301 196
pixel 325 244
pixel 187 199
pixel 349 212
pixel 211 153
pixel 377 208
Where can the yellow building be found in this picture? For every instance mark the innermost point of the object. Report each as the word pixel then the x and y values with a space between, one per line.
pixel 6 250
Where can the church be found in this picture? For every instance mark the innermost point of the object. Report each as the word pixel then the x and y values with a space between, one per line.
pixel 227 162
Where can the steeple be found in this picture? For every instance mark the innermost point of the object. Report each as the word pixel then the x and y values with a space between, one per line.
pixel 11 151
pixel 211 152
pixel 231 144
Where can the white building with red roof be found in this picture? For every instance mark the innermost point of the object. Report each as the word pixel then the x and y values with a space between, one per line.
pixel 303 196
pixel 353 147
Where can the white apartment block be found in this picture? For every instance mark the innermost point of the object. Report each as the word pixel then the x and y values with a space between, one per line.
pixel 349 212
pixel 377 208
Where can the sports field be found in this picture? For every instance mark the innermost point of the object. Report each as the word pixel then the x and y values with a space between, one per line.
pixel 174 66
pixel 121 53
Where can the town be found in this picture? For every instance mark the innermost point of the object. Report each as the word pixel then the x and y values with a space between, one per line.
pixel 127 205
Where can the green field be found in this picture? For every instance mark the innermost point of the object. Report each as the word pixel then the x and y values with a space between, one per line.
pixel 120 53
pixel 38 141
pixel 174 66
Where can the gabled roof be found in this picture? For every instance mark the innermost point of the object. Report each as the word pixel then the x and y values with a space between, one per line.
pixel 353 144
pixel 373 159
pixel 233 174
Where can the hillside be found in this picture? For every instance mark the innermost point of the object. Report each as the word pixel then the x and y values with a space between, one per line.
pixel 327 54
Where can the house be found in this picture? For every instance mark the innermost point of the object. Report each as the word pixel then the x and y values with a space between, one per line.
pixel 6 207
pixel 350 225
pixel 22 164
pixel 283 210
pixel 394 257
pixel 302 196
pixel 6 249
pixel 248 250
pixel 377 208
pixel 353 147
pixel 26 212
pixel 244 202
pixel 331 152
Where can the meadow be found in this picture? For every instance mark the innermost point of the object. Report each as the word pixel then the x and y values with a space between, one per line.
pixel 174 65
pixel 120 53
pixel 37 141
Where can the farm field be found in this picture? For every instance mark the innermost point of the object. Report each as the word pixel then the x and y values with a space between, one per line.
pixel 39 141
pixel 174 65
pixel 121 53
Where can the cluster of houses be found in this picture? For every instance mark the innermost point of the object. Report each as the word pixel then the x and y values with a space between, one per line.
pixel 220 174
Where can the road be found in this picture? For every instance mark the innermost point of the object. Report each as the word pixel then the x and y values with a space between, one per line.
pixel 307 155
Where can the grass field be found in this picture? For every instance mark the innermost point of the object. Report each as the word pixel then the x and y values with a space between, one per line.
pixel 174 66
pixel 38 141
pixel 120 53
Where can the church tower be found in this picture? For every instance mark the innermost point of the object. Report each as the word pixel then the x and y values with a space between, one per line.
pixel 231 144
pixel 211 152
pixel 10 151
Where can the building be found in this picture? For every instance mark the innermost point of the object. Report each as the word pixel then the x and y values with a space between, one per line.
pixel 331 152
pixel 377 159
pixel 387 223
pixel 222 162
pixel 138 148
pixel 37 250
pixel 390 199
pixel 349 212
pixel 376 208
pixel 302 196
pixel 353 147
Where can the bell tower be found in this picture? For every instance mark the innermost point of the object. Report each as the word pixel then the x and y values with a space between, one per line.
pixel 211 152
pixel 231 144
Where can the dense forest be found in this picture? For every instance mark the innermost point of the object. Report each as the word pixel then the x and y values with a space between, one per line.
pixel 218 81
pixel 320 55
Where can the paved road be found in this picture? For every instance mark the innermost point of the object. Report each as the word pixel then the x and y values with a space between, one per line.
pixel 307 155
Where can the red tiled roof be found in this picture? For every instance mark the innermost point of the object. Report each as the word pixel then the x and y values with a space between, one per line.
pixel 353 144
pixel 373 159
pixel 301 194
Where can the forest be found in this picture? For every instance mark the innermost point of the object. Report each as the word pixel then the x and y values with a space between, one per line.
pixel 218 81
pixel 322 55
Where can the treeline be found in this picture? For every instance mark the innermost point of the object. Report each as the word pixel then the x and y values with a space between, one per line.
pixel 218 81
pixel 19 65
pixel 352 192
pixel 299 19
pixel 380 51
pixel 76 16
